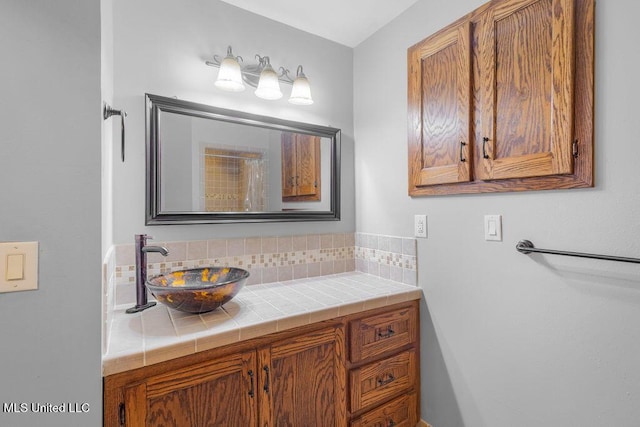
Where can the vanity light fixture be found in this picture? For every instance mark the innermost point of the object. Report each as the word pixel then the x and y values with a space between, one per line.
pixel 301 91
pixel 230 74
pixel 232 77
pixel 268 86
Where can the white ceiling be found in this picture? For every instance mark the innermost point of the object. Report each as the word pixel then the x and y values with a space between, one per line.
pixel 348 22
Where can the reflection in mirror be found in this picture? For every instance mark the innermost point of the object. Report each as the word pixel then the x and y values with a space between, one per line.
pixel 206 164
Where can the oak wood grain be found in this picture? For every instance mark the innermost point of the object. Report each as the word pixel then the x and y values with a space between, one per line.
pixel 439 108
pixel 526 80
pixel 306 380
pixel 375 335
pixel 381 380
pixel 548 162
pixel 399 413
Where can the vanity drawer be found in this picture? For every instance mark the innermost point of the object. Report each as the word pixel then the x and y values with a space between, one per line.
pixel 375 335
pixel 400 412
pixel 379 381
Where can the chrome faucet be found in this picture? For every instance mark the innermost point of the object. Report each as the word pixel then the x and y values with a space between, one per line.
pixel 141 271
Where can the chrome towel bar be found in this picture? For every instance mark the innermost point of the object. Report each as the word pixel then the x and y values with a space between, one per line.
pixel 526 247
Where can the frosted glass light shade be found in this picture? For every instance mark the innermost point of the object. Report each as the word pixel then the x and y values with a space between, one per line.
pixel 230 75
pixel 301 91
pixel 268 86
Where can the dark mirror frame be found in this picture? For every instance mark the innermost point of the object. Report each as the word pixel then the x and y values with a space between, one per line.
pixel 155 216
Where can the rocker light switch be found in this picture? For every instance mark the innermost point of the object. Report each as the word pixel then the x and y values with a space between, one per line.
pixel 15 267
pixel 18 266
pixel 493 227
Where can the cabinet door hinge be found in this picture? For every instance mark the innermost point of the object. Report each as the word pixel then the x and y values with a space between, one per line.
pixel 122 414
pixel 575 148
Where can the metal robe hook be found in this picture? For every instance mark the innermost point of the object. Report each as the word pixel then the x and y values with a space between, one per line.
pixel 108 112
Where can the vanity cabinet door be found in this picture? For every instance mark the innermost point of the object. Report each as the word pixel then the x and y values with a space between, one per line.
pixel 440 108
pixel 220 392
pixel 525 89
pixel 302 380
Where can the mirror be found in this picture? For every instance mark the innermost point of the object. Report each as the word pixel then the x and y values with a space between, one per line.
pixel 212 165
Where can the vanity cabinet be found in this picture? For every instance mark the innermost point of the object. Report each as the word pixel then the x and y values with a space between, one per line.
pixel 384 372
pixel 300 167
pixel 292 381
pixel 355 370
pixel 502 100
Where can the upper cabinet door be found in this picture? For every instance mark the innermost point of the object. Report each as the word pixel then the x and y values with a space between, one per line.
pixel 439 108
pixel 525 89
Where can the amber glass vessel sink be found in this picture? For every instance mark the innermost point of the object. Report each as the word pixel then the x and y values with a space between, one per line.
pixel 197 290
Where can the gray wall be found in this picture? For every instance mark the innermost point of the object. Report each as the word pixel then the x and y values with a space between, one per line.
pixel 50 170
pixel 512 340
pixel 163 53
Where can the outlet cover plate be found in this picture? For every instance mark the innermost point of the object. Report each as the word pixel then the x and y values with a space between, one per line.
pixel 420 226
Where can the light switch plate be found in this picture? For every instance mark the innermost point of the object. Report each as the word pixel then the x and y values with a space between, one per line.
pixel 12 254
pixel 493 227
pixel 420 226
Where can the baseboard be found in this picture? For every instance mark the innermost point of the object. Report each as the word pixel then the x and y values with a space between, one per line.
pixel 423 423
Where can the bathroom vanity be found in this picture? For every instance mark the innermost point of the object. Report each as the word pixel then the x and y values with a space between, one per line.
pixel 351 359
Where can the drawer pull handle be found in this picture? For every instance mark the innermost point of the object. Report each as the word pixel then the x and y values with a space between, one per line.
pixel 390 379
pixel 389 334
pixel 391 423
pixel 251 393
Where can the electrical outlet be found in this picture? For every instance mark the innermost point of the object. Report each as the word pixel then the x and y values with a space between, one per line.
pixel 420 226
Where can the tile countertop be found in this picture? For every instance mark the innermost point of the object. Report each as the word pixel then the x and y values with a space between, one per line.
pixel 159 333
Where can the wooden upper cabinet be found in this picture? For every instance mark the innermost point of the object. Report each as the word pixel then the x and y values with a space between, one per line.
pixel 517 77
pixel 300 167
pixel 526 75
pixel 439 108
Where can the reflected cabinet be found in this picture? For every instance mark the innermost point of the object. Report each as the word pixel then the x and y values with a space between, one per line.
pixel 502 100
pixel 300 167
